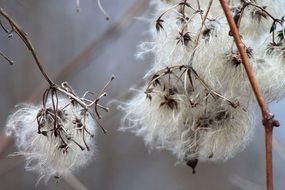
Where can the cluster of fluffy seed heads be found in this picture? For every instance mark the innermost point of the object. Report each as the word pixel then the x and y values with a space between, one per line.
pixel 198 102
pixel 56 138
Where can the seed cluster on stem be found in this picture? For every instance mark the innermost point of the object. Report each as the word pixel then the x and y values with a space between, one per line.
pixel 55 137
pixel 198 102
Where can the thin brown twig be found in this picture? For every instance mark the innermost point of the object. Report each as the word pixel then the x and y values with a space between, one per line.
pixel 24 37
pixel 53 87
pixel 203 22
pixel 262 9
pixel 10 61
pixel 16 28
pixel 188 71
pixel 268 118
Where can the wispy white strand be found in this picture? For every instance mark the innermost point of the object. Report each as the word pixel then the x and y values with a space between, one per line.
pixel 42 152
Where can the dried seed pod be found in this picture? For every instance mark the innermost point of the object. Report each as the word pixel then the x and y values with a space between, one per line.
pixel 202 103
pixel 53 142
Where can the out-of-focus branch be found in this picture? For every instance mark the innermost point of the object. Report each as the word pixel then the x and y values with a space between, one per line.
pixel 4 142
pixel 113 32
pixel 9 164
pixel 268 118
pixel 279 147
pixel 73 182
pixel 244 183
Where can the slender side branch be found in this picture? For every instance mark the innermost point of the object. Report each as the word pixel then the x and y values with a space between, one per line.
pixel 203 22
pixel 268 118
pixel 103 10
pixel 10 61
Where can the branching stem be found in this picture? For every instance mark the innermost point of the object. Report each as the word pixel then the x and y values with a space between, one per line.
pixel 23 36
pixel 268 118
pixel 53 87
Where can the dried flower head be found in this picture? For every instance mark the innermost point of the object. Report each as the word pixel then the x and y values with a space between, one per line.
pixel 198 102
pixel 56 137
pixel 53 142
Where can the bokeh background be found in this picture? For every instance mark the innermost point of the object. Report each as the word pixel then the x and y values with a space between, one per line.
pixel 85 50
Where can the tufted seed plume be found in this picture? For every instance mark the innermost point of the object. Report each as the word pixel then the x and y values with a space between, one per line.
pixel 198 102
pixel 54 142
pixel 57 137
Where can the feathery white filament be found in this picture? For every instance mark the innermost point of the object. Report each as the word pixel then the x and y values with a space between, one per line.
pixel 48 153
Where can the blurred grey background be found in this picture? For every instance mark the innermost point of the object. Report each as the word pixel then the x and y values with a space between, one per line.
pixel 86 50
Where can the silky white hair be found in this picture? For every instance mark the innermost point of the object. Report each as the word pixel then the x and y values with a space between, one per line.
pixel 222 121
pixel 47 154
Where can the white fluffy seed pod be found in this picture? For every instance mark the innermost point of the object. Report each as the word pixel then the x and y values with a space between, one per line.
pixel 49 153
pixel 212 131
pixel 210 114
pixel 146 118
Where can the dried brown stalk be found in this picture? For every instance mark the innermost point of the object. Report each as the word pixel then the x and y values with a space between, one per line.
pixel 18 30
pixel 268 118
pixel 10 61
pixel 203 22
pixel 190 74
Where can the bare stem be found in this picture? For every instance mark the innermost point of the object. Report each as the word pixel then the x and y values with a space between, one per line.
pixel 25 39
pixel 267 116
pixel 203 22
pixel 103 10
pixel 262 9
pixel 6 58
